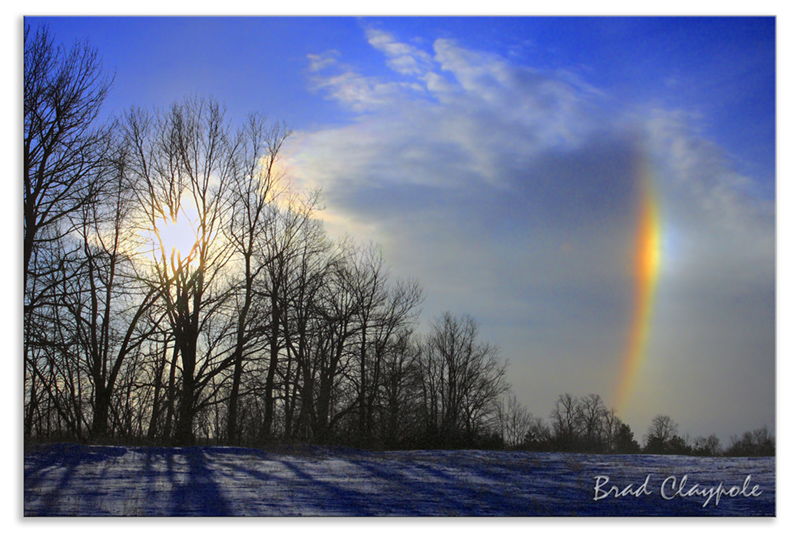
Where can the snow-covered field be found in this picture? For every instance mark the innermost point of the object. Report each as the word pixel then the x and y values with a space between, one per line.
pixel 68 479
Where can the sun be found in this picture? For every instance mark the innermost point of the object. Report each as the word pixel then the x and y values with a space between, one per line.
pixel 175 239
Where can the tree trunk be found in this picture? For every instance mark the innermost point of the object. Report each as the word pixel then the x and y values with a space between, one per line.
pixel 183 430
pixel 101 407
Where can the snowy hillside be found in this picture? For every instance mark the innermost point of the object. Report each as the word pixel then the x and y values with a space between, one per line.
pixel 71 479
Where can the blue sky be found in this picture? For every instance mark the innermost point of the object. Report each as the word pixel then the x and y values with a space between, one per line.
pixel 493 159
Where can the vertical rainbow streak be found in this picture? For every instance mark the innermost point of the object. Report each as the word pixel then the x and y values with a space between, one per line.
pixel 646 260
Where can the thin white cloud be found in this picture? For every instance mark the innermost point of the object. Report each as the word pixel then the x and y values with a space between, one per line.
pixel 403 58
pixel 360 93
pixel 470 112
pixel 317 62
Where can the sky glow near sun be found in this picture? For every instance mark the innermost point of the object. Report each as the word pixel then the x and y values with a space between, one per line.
pixel 177 237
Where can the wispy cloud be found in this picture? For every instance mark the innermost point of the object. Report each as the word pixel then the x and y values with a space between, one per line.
pixel 402 57
pixel 317 62
pixel 470 111
pixel 341 82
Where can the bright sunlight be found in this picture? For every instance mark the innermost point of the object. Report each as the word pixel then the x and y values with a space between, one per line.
pixel 178 236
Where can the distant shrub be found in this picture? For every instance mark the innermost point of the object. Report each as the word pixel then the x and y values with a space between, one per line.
pixel 707 446
pixel 756 443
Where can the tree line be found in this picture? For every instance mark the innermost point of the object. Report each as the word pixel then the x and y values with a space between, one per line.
pixel 584 424
pixel 264 328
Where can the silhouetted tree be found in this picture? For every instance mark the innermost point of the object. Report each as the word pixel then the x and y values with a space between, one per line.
pixel 254 192
pixel 462 378
pixel 107 303
pixel 591 414
pixel 623 440
pixel 565 418
pixel 660 435
pixel 64 164
pixel 756 443
pixel 63 154
pixel 707 446
pixel 383 312
pixel 514 421
pixel 401 383
pixel 308 270
pixel 539 437
pixel 184 162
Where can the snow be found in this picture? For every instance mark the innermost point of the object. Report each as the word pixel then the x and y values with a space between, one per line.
pixel 70 479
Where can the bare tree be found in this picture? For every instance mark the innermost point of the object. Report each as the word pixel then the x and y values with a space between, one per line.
pixel 565 417
pixel 382 311
pixel 591 412
pixel 62 152
pixel 391 333
pixel 515 421
pixel 401 385
pixel 539 436
pixel 463 378
pixel 106 301
pixel 295 287
pixel 254 191
pixel 293 254
pixel 184 162
pixel 63 164
pixel 710 446
pixel 755 443
pixel 335 346
pixel 661 431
